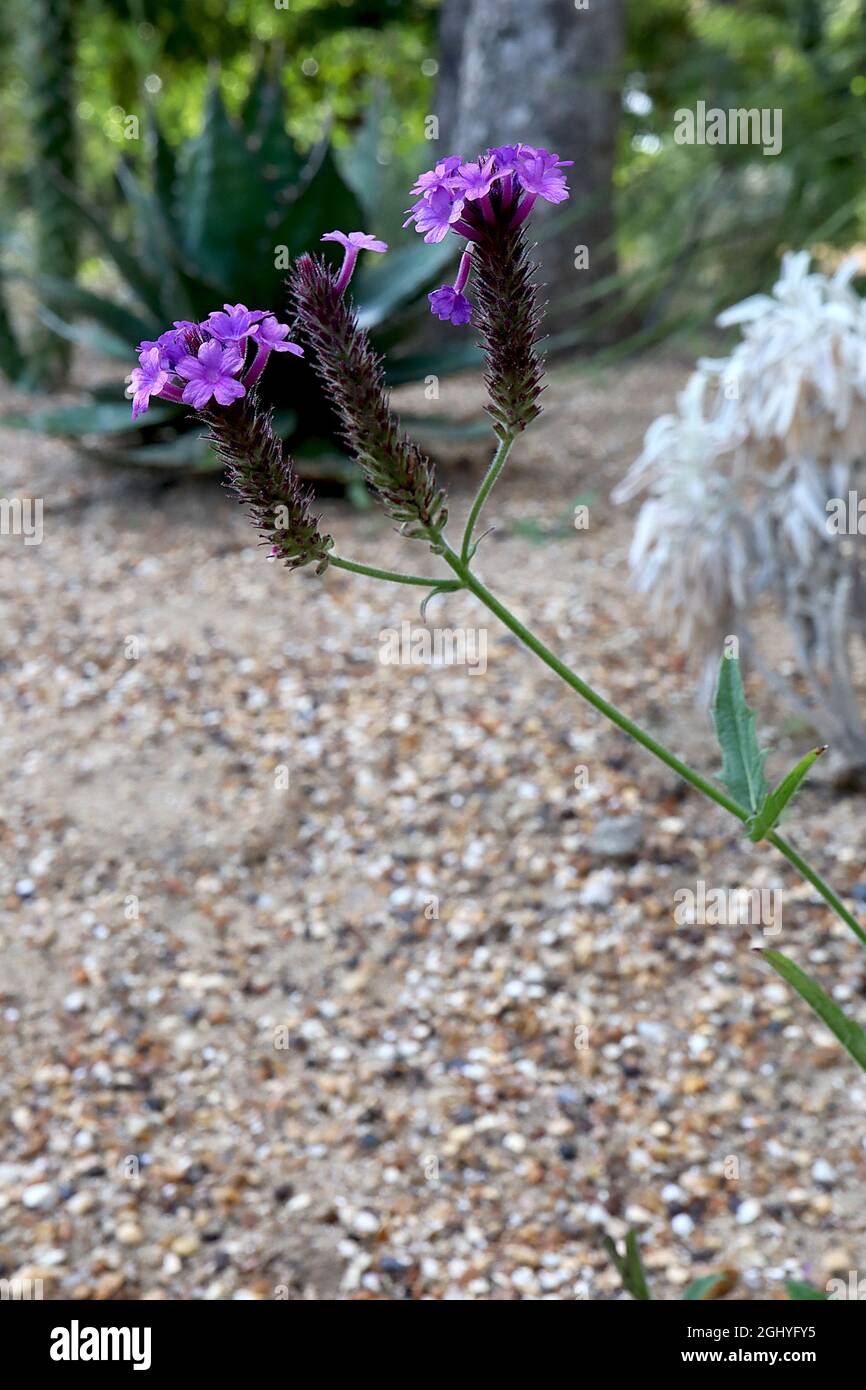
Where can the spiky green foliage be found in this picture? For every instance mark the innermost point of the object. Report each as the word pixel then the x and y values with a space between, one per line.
pixel 260 473
pixel 507 317
pixel 53 158
pixel 353 377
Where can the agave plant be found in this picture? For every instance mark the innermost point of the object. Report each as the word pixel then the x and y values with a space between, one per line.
pixel 225 212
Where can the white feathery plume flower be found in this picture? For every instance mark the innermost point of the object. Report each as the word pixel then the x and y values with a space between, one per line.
pixel 739 481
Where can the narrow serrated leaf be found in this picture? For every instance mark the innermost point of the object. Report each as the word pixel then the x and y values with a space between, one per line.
pixel 742 759
pixel 849 1033
pixel 776 800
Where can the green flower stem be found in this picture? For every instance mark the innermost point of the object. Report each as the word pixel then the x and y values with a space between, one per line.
pixel 496 467
pixel 393 577
pixel 471 582
pixel 817 882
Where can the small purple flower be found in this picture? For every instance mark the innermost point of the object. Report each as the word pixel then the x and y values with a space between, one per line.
pixel 435 214
pixel 272 335
pixel 450 305
pixel 538 172
pixel 440 177
pixel 148 379
pixel 361 241
pixel 352 243
pixel 235 324
pixel 476 180
pixel 172 343
pixel 505 157
pixel 211 373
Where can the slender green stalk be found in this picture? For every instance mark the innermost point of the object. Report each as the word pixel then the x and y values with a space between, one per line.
pixel 393 577
pixel 817 882
pixel 622 721
pixel 496 467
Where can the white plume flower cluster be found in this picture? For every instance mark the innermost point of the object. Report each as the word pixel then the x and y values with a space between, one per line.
pixel 740 479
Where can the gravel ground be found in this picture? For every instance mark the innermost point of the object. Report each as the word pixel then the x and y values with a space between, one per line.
pixel 419 1023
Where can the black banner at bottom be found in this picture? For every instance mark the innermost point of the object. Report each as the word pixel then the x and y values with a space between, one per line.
pixel 81 1340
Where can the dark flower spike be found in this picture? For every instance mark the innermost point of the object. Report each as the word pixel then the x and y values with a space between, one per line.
pixel 352 375
pixel 487 201
pixel 262 477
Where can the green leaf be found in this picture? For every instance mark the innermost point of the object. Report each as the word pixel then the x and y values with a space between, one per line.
pixel 798 1290
pixel 324 202
pixel 157 242
pixel 359 162
pixel 742 760
pixel 436 427
pixel 92 418
pixel 849 1033
pixel 629 1267
pixel 188 451
pixel 222 207
pixel 267 140
pixel 774 804
pixel 145 286
pixel 701 1289
pixel 93 338
pixel 418 366
pixel 68 297
pixel 386 283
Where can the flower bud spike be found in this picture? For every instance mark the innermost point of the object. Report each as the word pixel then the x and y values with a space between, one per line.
pixel 487 201
pixel 352 375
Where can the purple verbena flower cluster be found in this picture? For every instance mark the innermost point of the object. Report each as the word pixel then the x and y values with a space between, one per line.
pixel 218 359
pixel 499 188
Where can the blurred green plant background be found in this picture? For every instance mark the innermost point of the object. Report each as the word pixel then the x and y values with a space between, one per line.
pixel 158 157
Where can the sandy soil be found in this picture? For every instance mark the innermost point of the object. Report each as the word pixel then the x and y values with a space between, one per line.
pixel 322 979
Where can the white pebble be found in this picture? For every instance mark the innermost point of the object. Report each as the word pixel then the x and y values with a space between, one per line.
pixel 39 1196
pixel 822 1171
pixel 682 1224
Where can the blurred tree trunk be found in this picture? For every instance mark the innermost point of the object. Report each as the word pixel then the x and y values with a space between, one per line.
pixel 547 73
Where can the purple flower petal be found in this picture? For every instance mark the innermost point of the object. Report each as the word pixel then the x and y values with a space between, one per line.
pixel 212 373
pixel 148 379
pixel 361 241
pixel 273 335
pixel 450 305
pixel 234 324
